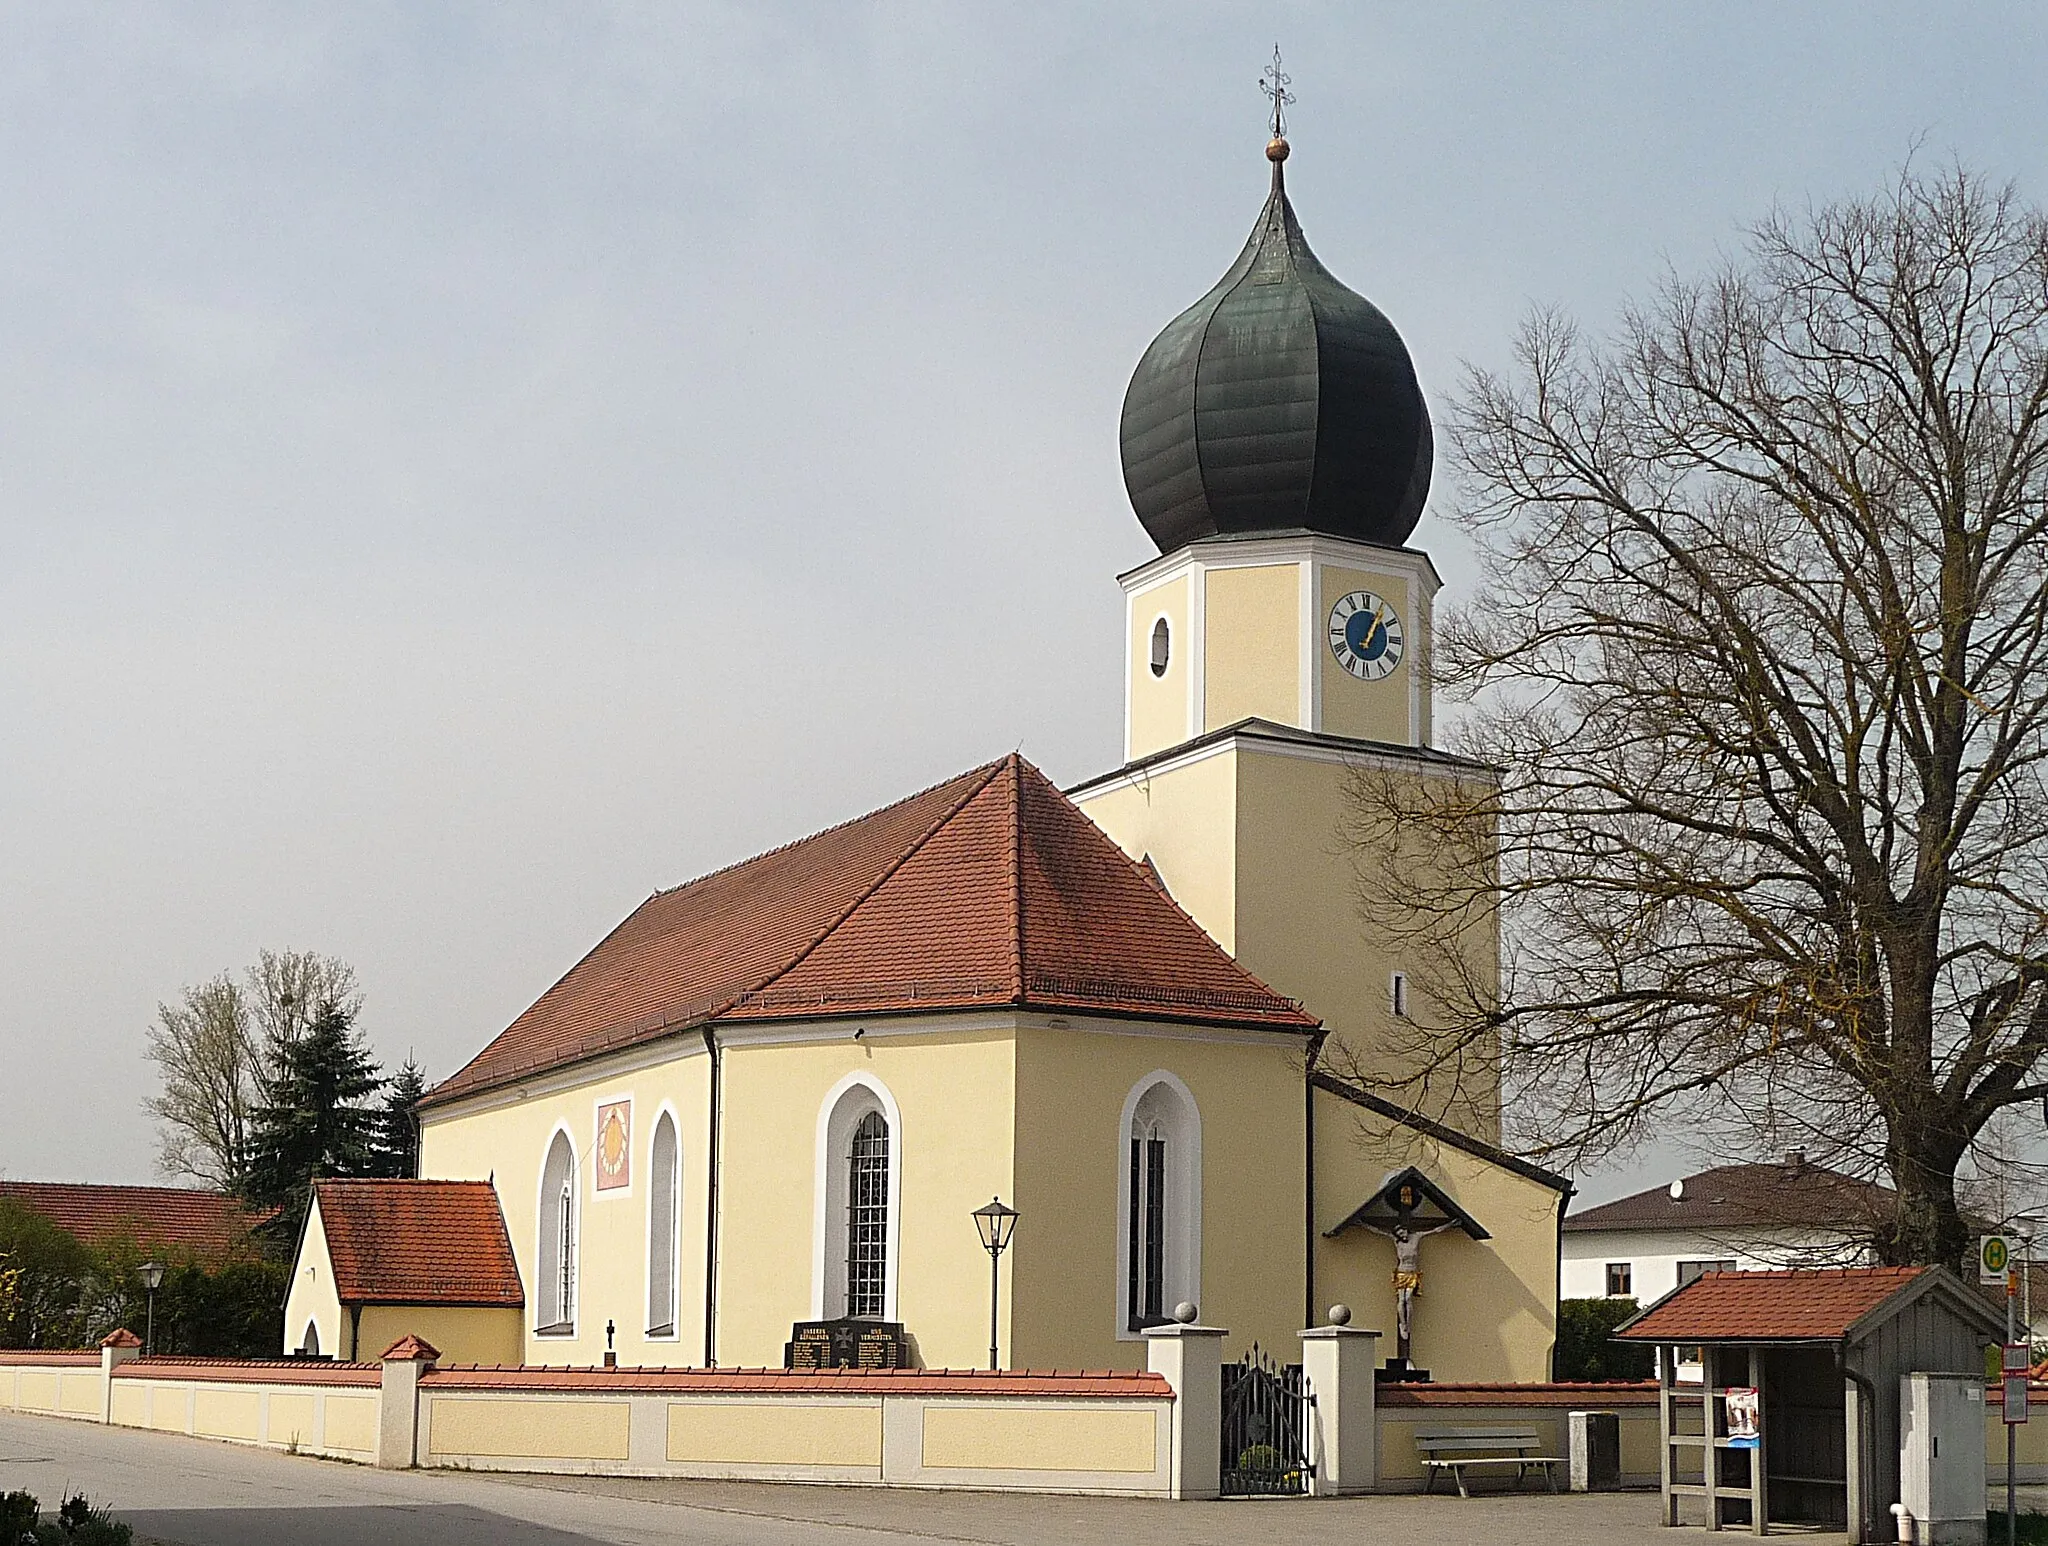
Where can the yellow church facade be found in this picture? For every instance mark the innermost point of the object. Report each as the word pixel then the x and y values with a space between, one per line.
pixel 1149 1013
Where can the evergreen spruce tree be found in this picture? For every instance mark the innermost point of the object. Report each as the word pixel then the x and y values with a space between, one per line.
pixel 397 1143
pixel 317 1120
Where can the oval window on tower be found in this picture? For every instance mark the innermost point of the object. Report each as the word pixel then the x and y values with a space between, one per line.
pixel 1162 643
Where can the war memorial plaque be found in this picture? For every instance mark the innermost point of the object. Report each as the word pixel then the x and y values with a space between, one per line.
pixel 844 1344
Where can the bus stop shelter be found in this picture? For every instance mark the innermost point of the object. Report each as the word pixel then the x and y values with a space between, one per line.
pixel 1795 1417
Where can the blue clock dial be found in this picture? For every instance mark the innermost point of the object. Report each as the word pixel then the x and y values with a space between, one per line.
pixel 1365 635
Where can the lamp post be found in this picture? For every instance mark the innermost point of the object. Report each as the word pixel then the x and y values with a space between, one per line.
pixel 152 1279
pixel 996 1224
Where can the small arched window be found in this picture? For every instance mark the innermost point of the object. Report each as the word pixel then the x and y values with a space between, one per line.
pixel 557 1295
pixel 309 1344
pixel 663 1193
pixel 1159 1185
pixel 1162 647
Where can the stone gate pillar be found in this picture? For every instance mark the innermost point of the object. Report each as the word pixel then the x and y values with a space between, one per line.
pixel 1337 1360
pixel 1191 1359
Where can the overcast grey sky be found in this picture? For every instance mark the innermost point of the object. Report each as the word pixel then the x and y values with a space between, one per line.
pixel 464 467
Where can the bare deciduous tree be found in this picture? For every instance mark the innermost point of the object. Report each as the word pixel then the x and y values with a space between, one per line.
pixel 288 988
pixel 208 1057
pixel 217 1049
pixel 1761 661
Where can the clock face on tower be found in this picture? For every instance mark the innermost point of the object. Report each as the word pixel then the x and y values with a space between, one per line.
pixel 1365 635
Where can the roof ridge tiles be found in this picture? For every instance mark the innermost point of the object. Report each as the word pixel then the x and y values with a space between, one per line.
pixel 1159 887
pixel 837 826
pixel 1020 982
pixel 989 772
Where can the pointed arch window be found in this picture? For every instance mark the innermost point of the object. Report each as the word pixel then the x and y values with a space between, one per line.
pixel 1159 1191
pixel 859 1181
pixel 557 1295
pixel 663 1220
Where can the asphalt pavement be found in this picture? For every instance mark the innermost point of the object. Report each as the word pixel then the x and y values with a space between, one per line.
pixel 196 1492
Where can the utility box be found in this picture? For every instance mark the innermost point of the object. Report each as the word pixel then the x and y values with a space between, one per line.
pixel 1941 1456
pixel 1593 1445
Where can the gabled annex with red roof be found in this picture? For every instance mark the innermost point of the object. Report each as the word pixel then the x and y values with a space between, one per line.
pixel 418 1255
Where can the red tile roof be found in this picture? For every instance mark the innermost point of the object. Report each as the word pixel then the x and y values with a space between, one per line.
pixel 989 889
pixel 418 1242
pixel 207 1225
pixel 1792 1194
pixel 1793 1305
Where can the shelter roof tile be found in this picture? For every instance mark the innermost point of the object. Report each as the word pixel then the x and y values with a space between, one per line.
pixel 1790 1305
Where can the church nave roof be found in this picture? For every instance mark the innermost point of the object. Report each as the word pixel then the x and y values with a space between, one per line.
pixel 989 889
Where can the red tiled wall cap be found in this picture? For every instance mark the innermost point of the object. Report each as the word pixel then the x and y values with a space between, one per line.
pixel 411 1349
pixel 122 1338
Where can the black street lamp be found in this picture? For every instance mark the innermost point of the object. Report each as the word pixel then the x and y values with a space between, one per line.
pixel 152 1279
pixel 996 1224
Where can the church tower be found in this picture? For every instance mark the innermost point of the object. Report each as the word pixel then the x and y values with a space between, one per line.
pixel 1277 449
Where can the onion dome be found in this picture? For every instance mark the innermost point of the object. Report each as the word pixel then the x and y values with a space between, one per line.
pixel 1280 401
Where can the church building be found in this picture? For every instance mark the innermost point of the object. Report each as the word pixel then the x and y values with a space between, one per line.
pixel 766 1106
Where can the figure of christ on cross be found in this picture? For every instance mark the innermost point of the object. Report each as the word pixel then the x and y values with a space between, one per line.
pixel 1408 1278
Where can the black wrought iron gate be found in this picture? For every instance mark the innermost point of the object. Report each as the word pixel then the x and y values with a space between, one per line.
pixel 1267 1417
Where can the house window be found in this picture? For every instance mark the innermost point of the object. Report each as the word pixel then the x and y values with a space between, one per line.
pixel 1162 646
pixel 1397 995
pixel 557 1296
pixel 664 1186
pixel 1688 1270
pixel 1620 1280
pixel 309 1344
pixel 859 1176
pixel 867 1218
pixel 1159 1186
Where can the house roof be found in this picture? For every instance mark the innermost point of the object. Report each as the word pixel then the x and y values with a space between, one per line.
pixel 1795 1304
pixel 989 889
pixel 1790 1194
pixel 418 1242
pixel 205 1223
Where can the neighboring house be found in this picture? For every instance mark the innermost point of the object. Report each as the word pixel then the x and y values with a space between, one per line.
pixel 1733 1217
pixel 176 1221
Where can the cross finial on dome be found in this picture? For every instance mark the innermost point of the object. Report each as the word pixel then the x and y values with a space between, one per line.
pixel 1274 81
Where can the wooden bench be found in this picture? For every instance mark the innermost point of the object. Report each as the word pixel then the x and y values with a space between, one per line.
pixel 1458 1450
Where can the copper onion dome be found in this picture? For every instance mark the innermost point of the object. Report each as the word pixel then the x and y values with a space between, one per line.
pixel 1280 401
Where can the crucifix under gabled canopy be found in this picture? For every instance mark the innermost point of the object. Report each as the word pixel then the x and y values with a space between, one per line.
pixel 1407 1207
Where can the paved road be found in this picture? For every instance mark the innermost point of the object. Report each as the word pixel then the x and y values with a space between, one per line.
pixel 198 1493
